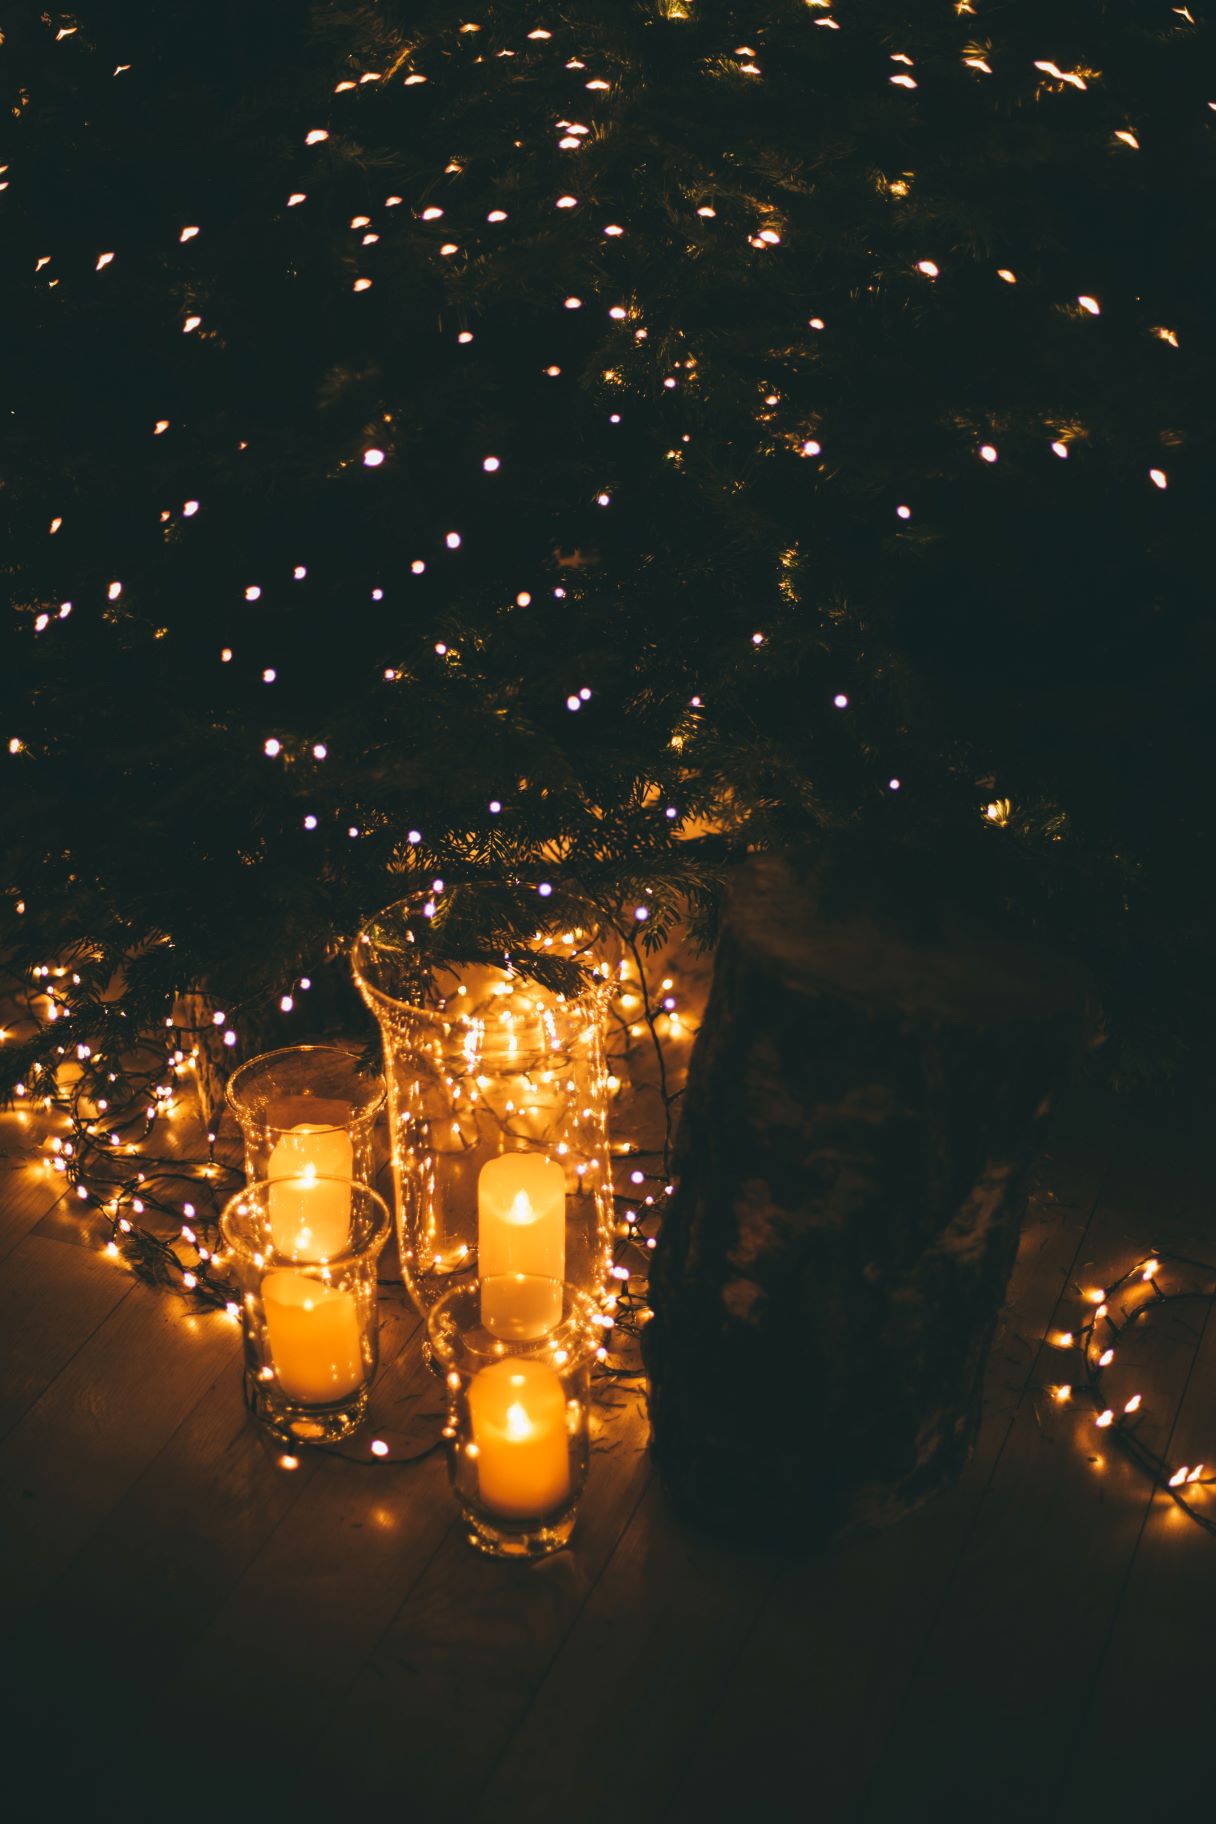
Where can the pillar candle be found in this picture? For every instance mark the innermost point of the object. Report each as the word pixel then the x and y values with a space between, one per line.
pixel 308 1220
pixel 517 1410
pixel 521 1229
pixel 315 1338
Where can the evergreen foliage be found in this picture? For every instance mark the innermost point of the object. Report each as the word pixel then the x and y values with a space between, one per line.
pixel 801 329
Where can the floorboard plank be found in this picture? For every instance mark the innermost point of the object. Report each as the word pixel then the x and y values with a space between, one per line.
pixel 79 1447
pixel 28 1192
pixel 650 1648
pixel 51 1301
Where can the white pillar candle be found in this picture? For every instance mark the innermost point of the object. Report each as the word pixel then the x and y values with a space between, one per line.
pixel 310 1221
pixel 315 1339
pixel 517 1411
pixel 521 1229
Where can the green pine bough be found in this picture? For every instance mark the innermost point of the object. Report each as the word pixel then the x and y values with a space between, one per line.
pixel 591 445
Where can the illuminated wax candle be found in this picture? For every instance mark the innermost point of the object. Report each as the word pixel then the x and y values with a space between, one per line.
pixel 307 1219
pixel 518 1414
pixel 315 1340
pixel 521 1228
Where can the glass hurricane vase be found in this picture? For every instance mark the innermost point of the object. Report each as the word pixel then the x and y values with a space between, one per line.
pixel 308 1280
pixel 497 1086
pixel 307 1110
pixel 518 1408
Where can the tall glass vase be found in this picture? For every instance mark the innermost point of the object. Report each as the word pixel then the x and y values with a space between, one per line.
pixel 494 1060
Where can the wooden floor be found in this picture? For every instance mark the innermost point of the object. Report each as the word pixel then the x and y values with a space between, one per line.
pixel 188 1626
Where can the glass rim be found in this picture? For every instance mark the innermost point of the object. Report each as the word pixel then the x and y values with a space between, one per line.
pixel 586 997
pixel 372 1108
pixel 586 1334
pixel 261 1186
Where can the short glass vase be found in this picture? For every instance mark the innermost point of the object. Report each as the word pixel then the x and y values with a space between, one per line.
pixel 518 1409
pixel 494 1058
pixel 307 1111
pixel 310 1314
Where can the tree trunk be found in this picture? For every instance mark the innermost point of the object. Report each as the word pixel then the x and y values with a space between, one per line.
pixel 862 1111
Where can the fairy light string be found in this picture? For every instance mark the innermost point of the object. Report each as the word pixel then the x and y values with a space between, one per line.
pixel 469 619
pixel 157 1212
pixel 1096 1342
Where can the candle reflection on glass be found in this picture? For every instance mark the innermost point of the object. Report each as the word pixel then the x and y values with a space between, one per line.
pixel 309 1214
pixel 521 1229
